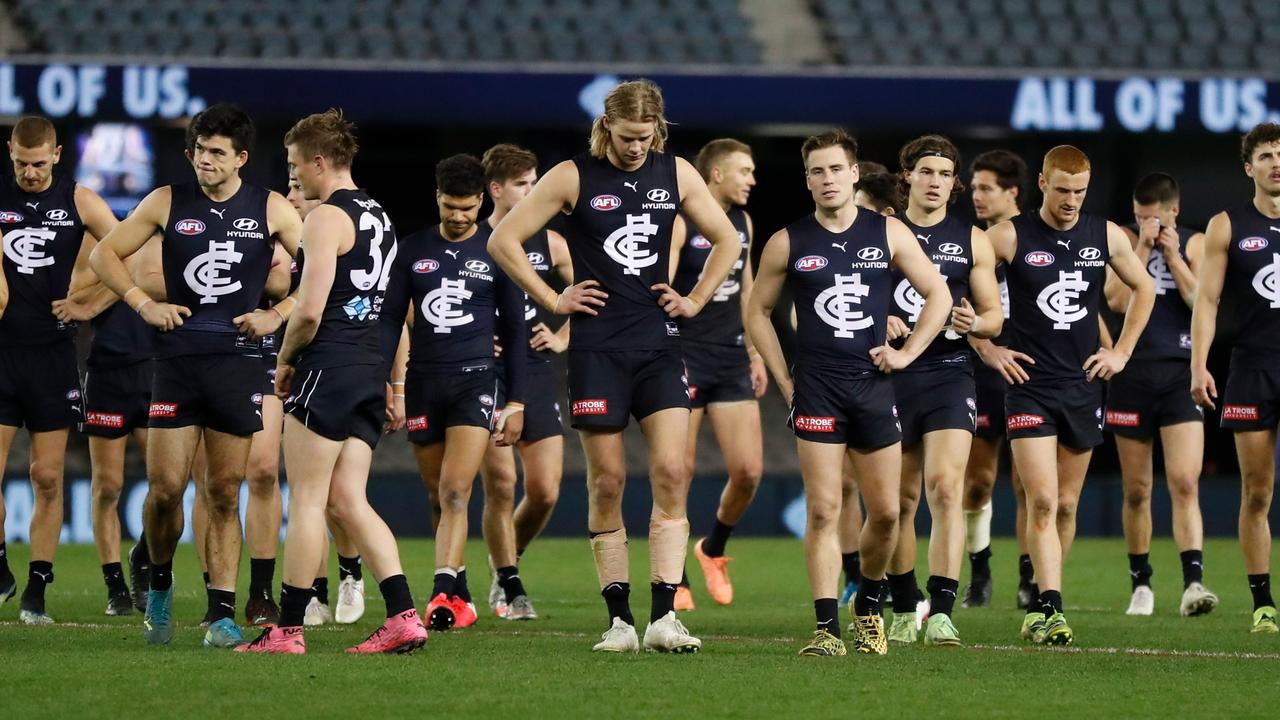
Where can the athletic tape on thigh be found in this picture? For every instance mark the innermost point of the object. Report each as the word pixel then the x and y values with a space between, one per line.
pixel 610 550
pixel 668 542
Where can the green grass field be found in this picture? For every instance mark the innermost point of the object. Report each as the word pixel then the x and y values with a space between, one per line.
pixel 93 666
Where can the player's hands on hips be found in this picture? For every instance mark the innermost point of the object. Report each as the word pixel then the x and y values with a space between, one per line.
pixel 510 425
pixel 1203 389
pixel 259 323
pixel 1105 364
pixel 69 311
pixel 964 319
pixel 395 410
pixel 163 316
pixel 544 339
pixel 759 377
pixel 1008 363
pixel 584 297
pixel 497 346
pixel 888 359
pixel 896 328
pixel 673 303
pixel 284 380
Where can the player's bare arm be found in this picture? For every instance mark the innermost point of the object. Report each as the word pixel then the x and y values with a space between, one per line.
pixel 1133 273
pixel 284 225
pixel 706 214
pixel 328 232
pixel 1204 313
pixel 764 295
pixel 907 255
pixel 759 374
pixel 107 260
pixel 984 318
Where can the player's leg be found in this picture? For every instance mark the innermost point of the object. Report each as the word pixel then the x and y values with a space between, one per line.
pixel 139 557
pixel 1073 465
pixel 606 480
pixel 1256 452
pixel 8 583
pixel 879 474
pixel 169 455
pixel 464 448
pixel 698 410
pixel 1137 475
pixel 106 459
pixel 500 536
pixel 1183 445
pixel 821 470
pixel 48 454
pixel 543 462
pixel 200 511
pixel 850 527
pixel 263 514
pixel 902 563
pixel 350 606
pixel 1037 461
pixel 737 429
pixel 979 483
pixel 226 456
pixel 945 454
pixel 1027 591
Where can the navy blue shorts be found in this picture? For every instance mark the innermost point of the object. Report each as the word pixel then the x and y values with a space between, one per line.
pixel 989 390
pixel 938 398
pixel 606 388
pixel 40 387
pixel 851 408
pixel 1149 395
pixel 339 403
pixel 117 400
pixel 542 418
pixel 1251 400
pixel 218 392
pixel 435 401
pixel 1069 409
pixel 717 374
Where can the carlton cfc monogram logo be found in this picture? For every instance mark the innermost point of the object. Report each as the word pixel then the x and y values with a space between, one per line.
pixel 1159 272
pixel 835 305
pixel 629 245
pixel 1058 300
pixel 25 248
pixel 908 299
pixel 1266 282
pixel 204 274
pixel 440 306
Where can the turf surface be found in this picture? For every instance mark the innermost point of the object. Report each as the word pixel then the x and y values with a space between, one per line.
pixel 90 665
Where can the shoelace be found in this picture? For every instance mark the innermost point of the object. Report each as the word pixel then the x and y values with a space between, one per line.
pixel 261 639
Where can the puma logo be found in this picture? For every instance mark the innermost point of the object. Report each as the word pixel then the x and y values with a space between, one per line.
pixel 632 185
pixel 924 238
pixel 452 253
pixel 1274 228
pixel 34 206
pixel 218 212
pixel 840 245
pixel 1065 243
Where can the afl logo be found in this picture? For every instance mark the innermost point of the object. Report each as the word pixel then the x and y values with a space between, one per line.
pixel 422 267
pixel 535 258
pixel 605 203
pixel 256 398
pixel 10 217
pixel 56 214
pixel 486 400
pixel 1253 244
pixel 870 253
pixel 700 242
pixel 950 249
pixel 658 195
pixel 1039 258
pixel 245 224
pixel 1090 253
pixel 809 263
pixel 188 227
pixel 478 266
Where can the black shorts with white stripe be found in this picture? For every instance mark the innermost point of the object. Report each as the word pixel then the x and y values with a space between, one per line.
pixel 338 403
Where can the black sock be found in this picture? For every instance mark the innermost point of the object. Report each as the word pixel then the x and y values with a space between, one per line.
pixel 444 584
pixel 713 544
pixel 4 558
pixel 509 579
pixel 113 575
pixel 1192 567
pixel 664 600
pixel 222 604
pixel 320 590
pixel 395 593
pixel 852 563
pixel 39 574
pixel 617 597
pixel 293 604
pixel 1025 570
pixel 461 589
pixel 140 553
pixel 1050 602
pixel 827 610
pixel 867 601
pixel 161 576
pixel 1260 586
pixel 262 572
pixel 942 594
pixel 349 567
pixel 206 580
pixel 1140 569
pixel 684 578
pixel 904 590
pixel 980 563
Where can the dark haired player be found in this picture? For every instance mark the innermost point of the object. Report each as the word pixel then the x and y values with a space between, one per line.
pixel 1056 266
pixel 49 225
pixel 1150 397
pixel 837 263
pixel 1242 259
pixel 219 233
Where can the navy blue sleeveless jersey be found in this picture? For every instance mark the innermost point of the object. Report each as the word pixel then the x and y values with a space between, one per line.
pixel 1002 282
pixel 271 343
pixel 842 286
pixel 1168 332
pixel 1253 281
pixel 1055 291
pixel 349 327
pixel 215 256
pixel 619 234
pixel 720 322
pixel 949 245
pixel 458 295
pixel 538 250
pixel 120 338
pixel 42 236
